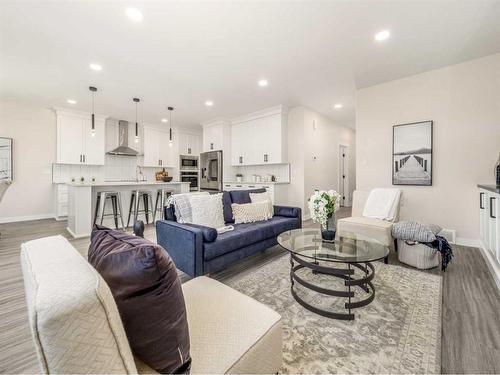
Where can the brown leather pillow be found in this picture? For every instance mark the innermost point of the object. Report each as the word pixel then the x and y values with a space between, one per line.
pixel 148 293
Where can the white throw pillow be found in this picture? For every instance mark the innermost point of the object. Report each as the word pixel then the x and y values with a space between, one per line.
pixel 251 212
pixel 263 197
pixel 207 210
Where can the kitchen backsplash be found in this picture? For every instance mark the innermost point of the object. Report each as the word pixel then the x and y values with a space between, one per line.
pixel 280 171
pixel 116 168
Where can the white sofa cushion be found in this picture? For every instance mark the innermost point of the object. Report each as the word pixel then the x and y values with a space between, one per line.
pixel 74 320
pixel 377 229
pixel 230 332
pixel 207 210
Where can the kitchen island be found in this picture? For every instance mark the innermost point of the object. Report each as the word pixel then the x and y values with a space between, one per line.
pixel 82 199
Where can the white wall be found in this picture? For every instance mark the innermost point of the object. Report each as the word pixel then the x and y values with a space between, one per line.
pixel 34 150
pixel 313 144
pixel 464 102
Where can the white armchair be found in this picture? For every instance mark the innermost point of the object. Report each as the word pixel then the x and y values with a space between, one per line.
pixel 381 230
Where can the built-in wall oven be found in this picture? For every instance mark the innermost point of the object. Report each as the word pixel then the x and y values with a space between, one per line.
pixel 192 178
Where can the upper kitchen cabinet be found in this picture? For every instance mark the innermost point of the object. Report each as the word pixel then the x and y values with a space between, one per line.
pixel 76 142
pixel 189 143
pixel 259 138
pixel 213 135
pixel 157 150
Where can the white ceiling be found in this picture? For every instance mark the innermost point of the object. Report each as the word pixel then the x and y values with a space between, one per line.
pixel 314 53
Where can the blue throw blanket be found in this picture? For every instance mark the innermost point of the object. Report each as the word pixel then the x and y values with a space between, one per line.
pixel 442 245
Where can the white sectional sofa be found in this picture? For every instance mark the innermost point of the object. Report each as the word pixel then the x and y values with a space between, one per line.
pixel 76 326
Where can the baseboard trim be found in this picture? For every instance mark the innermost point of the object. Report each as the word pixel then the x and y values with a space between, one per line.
pixel 471 242
pixel 15 219
pixel 491 262
pixel 76 236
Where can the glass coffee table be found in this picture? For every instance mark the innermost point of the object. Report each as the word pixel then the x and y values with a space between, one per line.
pixel 349 258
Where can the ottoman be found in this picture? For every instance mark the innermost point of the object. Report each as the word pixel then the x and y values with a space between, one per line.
pixel 417 255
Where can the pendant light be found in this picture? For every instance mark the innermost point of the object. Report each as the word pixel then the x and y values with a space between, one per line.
pixel 170 140
pixel 92 129
pixel 136 100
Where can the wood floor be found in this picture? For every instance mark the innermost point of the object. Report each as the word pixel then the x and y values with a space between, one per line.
pixel 471 302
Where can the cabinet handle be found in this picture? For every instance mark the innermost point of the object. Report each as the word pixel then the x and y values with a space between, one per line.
pixel 84 158
pixel 252 186
pixel 189 151
pixel 241 159
pixel 265 187
pixel 491 208
pixel 481 201
pixel 211 146
pixel 80 158
pixel 227 185
pixel 265 158
pixel 239 185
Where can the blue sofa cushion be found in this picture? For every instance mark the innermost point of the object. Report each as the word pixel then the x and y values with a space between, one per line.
pixel 286 211
pixel 243 196
pixel 226 205
pixel 170 213
pixel 209 234
pixel 248 234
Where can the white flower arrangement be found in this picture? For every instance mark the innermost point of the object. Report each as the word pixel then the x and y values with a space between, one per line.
pixel 322 204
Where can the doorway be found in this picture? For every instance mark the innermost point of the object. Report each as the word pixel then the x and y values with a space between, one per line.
pixel 344 192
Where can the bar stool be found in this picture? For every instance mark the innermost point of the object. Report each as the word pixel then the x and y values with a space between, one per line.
pixel 161 198
pixel 147 199
pixel 116 202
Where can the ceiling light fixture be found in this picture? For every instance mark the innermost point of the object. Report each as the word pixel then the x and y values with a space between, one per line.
pixel 134 14
pixel 164 120
pixel 95 67
pixel 337 106
pixel 71 101
pixel 209 103
pixel 170 141
pixel 263 83
pixel 93 90
pixel 382 35
pixel 136 101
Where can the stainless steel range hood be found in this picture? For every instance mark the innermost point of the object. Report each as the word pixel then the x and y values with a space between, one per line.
pixel 123 149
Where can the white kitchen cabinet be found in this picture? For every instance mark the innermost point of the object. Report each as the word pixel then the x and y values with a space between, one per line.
pixel 61 201
pixel 489 220
pixel 259 138
pixel 157 152
pixel 213 137
pixel 189 144
pixel 76 143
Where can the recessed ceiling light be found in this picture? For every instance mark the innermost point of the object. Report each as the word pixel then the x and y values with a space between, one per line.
pixel 382 35
pixel 95 67
pixel 337 106
pixel 71 101
pixel 263 83
pixel 134 14
pixel 209 103
pixel 164 120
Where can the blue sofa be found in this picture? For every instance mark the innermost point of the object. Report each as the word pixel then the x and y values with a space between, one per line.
pixel 198 250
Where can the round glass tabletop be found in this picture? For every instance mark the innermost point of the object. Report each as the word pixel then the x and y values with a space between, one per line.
pixel 348 248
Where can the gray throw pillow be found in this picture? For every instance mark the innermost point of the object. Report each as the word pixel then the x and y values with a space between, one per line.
pixel 413 231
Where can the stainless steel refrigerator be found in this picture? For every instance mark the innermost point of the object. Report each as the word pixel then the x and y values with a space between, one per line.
pixel 211 171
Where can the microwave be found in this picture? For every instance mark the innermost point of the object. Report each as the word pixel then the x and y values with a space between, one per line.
pixel 188 162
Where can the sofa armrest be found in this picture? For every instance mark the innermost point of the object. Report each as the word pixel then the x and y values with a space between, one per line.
pixel 288 211
pixel 183 243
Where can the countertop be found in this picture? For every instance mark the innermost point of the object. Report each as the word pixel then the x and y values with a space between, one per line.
pixel 125 183
pixel 490 187
pixel 257 183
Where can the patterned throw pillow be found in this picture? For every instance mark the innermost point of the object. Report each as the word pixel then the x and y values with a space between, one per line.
pixel 207 210
pixel 251 212
pixel 413 231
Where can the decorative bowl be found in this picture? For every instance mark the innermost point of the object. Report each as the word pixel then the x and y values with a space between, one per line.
pixel 167 178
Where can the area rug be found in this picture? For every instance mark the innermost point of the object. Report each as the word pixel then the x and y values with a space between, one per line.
pixel 399 332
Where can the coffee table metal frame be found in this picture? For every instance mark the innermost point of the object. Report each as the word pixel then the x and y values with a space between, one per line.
pixel 298 262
